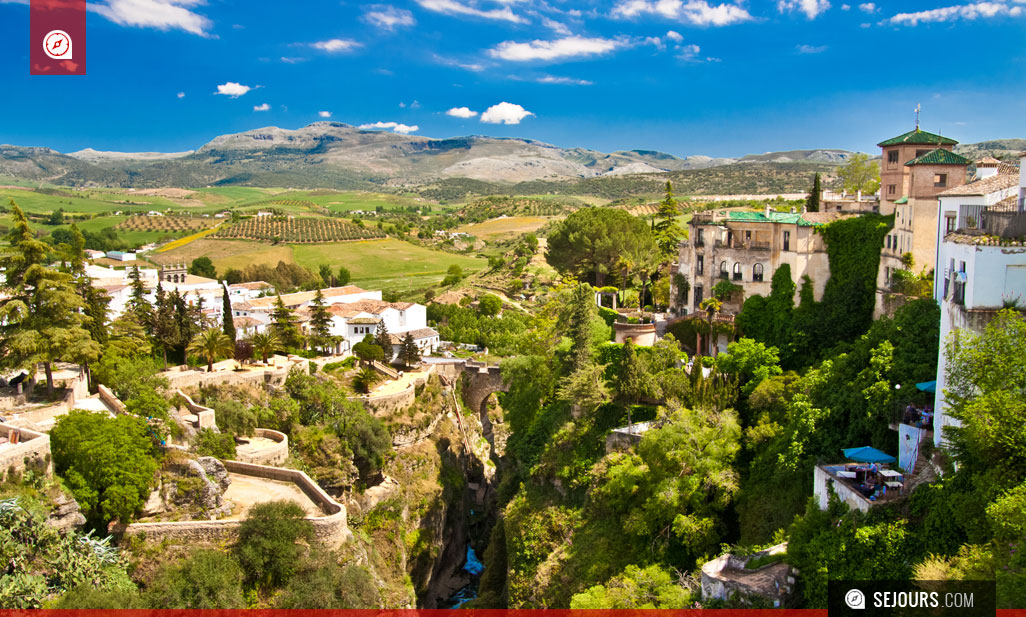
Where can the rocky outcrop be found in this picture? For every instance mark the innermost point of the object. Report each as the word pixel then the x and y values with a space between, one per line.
pixel 178 491
pixel 215 471
pixel 66 513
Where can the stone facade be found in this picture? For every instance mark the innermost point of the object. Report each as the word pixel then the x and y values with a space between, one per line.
pixel 479 382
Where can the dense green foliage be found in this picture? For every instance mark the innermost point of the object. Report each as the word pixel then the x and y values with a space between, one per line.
pixel 108 463
pixel 501 335
pixel 594 243
pixel 267 546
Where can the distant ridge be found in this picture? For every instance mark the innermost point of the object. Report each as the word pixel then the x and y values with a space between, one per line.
pixel 339 155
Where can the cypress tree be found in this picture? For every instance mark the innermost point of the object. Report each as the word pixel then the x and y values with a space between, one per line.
pixel 812 203
pixel 410 352
pixel 227 320
pixel 320 321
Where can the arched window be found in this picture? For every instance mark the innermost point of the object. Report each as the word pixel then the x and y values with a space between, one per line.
pixel 737 272
pixel 757 273
pixel 723 269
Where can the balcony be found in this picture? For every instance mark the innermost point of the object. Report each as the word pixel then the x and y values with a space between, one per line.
pixel 958 293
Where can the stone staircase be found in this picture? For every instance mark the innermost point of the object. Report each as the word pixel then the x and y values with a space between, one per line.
pixel 385 370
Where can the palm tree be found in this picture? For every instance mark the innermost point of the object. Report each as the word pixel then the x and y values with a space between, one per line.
pixel 210 345
pixel 265 344
pixel 711 306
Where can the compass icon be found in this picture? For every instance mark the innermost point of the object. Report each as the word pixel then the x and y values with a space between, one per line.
pixel 57 45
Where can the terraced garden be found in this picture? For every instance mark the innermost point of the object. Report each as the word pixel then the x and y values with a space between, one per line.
pixel 298 230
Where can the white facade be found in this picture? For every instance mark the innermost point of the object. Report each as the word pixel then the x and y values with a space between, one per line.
pixel 975 276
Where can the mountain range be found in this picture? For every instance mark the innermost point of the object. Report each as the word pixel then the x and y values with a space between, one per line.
pixel 337 155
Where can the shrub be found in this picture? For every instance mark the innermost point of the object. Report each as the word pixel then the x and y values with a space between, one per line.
pixel 208 579
pixel 218 445
pixel 324 584
pixel 267 546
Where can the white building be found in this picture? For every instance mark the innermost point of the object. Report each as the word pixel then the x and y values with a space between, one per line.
pixel 981 258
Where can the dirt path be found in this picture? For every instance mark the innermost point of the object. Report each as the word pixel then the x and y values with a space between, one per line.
pixel 248 491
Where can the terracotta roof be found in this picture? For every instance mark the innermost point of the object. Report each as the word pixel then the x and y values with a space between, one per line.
pixel 1008 204
pixel 940 156
pixel 988 161
pixel 246 322
pixel 918 137
pixel 365 320
pixel 822 218
pixel 418 334
pixel 302 297
pixel 366 306
pixel 252 285
pixel 983 187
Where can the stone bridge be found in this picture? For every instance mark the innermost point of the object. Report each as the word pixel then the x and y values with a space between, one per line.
pixel 479 382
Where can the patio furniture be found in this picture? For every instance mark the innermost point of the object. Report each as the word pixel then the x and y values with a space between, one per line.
pixel 846 474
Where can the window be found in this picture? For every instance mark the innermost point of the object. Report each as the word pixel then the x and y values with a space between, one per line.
pixel 757 273
pixel 892 156
pixel 698 295
pixel 723 269
pixel 787 241
pixel 748 237
pixel 949 223
pixel 920 153
pixel 700 240
pixel 700 265
pixel 887 242
pixel 940 179
pixel 737 272
pixel 730 238
pixel 892 189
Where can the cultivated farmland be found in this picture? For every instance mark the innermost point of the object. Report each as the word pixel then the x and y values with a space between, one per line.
pixel 171 223
pixel 296 230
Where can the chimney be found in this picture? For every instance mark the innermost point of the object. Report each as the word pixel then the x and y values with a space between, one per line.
pixel 767 210
pixel 987 168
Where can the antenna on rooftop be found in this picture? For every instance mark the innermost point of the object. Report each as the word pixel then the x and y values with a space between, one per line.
pixel 919 108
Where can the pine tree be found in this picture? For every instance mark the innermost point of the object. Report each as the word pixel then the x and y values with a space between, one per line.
pixel 409 352
pixel 667 230
pixel 384 340
pixel 320 322
pixel 227 319
pixel 630 379
pixel 185 322
pixel 163 325
pixel 812 203
pixel 283 324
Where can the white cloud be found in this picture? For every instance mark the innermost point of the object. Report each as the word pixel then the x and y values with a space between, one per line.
pixel 564 81
pixel 262 107
pixel 181 95
pixel 845 7
pixel 394 126
pixel 695 12
pixel 414 105
pixel 388 17
pixel 461 112
pixel 811 8
pixel 468 66
pixel 292 60
pixel 954 13
pixel 689 53
pixel 811 49
pixel 568 47
pixel 336 45
pixel 232 89
pixel 324 114
pixel 505 113
pixel 868 7
pixel 676 37
pixel 451 7
pixel 555 26
pixel 159 14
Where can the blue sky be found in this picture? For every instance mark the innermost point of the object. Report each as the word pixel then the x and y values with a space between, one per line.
pixel 681 76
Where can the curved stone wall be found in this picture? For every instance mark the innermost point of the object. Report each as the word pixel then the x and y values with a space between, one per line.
pixel 332 529
pixel 273 455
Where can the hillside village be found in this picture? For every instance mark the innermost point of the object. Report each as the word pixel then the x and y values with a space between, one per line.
pixel 717 403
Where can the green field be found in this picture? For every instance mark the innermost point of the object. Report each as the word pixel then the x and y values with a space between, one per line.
pixel 505 228
pixel 375 264
pixel 386 264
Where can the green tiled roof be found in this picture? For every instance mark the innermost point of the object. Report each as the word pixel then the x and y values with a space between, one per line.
pixel 902 201
pixel 918 137
pixel 774 217
pixel 940 156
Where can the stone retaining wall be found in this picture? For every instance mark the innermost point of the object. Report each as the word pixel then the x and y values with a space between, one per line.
pixel 33 450
pixel 332 529
pixel 183 377
pixel 204 415
pixel 274 455
pixel 112 402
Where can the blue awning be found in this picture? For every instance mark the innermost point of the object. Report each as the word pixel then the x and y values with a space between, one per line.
pixel 927 386
pixel 867 454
